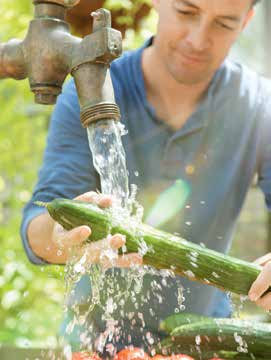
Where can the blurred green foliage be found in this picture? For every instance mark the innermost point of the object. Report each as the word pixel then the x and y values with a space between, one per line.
pixel 31 297
pixel 28 294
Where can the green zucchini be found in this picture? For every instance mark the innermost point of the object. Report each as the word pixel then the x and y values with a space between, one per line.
pixel 201 354
pixel 221 354
pixel 176 320
pixel 165 251
pixel 212 335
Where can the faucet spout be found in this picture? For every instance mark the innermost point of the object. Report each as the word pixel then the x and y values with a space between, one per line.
pixel 90 70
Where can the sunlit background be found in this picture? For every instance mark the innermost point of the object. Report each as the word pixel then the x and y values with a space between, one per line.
pixel 31 298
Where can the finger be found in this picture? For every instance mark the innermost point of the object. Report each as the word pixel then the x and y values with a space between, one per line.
pixel 265 302
pixel 263 260
pixel 101 200
pixel 117 241
pixel 105 201
pixel 87 196
pixel 261 284
pixel 103 251
pixel 74 237
pixel 129 260
pixel 96 250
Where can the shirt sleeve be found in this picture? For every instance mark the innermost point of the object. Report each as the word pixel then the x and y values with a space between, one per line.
pixel 67 169
pixel 264 169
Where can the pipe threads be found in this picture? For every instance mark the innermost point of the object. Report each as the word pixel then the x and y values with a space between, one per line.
pixel 101 111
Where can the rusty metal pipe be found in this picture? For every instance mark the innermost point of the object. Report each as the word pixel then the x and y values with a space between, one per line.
pixel 90 70
pixel 96 95
pixel 49 53
pixel 12 62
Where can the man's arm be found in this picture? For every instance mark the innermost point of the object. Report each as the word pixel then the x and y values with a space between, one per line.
pixel 52 243
pixel 263 282
pixel 67 171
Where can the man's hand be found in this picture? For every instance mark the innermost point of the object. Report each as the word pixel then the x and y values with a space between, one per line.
pixel 105 251
pixel 262 283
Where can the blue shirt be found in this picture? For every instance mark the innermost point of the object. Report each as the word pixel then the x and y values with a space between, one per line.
pixel 216 154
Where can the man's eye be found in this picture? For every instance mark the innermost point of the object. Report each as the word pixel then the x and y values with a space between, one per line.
pixel 183 12
pixel 225 26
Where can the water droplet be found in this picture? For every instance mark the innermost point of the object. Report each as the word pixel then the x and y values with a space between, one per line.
pixel 194 265
pixel 189 273
pixel 215 275
pixel 198 340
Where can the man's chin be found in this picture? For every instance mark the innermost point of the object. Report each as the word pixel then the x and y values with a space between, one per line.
pixel 191 80
pixel 189 77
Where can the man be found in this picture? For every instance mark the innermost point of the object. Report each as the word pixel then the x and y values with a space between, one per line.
pixel 192 115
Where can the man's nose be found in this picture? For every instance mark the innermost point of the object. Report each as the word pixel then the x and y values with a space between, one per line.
pixel 198 37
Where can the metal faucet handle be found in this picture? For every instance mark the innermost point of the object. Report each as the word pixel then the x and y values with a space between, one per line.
pixel 101 19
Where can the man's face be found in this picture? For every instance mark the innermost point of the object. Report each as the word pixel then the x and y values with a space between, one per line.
pixel 195 36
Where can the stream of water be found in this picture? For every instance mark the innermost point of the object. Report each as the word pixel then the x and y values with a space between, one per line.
pixel 110 292
pixel 106 294
pixel 109 158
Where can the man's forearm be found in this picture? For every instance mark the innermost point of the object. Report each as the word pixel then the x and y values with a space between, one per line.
pixel 39 233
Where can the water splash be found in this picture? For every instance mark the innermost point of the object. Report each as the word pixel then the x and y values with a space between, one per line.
pixel 113 289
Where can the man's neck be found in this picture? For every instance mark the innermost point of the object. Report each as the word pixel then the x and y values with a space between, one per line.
pixel 174 102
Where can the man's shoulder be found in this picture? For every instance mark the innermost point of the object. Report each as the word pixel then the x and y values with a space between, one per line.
pixel 237 76
pixel 126 59
pixel 243 77
pixel 241 83
pixel 126 75
pixel 127 66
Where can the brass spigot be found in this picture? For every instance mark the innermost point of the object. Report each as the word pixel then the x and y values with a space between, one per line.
pixel 49 53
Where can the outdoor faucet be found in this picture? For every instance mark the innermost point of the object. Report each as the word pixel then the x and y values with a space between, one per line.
pixel 49 53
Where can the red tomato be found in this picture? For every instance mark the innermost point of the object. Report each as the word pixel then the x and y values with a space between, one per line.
pixel 173 357
pixel 85 356
pixel 131 354
pixel 181 357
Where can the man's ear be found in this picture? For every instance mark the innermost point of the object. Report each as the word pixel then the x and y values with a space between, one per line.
pixel 249 16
